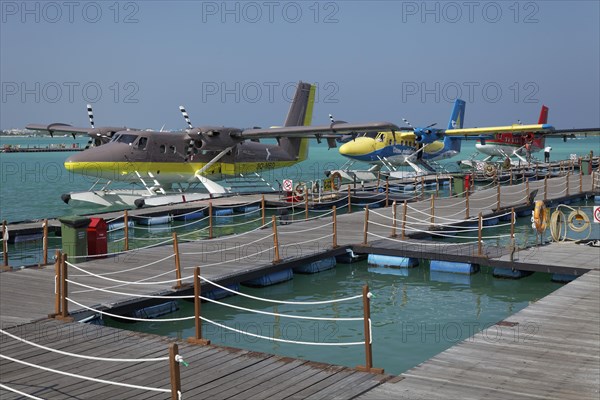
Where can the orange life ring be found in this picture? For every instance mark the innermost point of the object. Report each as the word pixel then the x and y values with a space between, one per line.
pixel 540 217
pixel 336 181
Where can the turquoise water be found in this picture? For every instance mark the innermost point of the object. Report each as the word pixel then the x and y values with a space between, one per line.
pixel 415 314
pixel 31 183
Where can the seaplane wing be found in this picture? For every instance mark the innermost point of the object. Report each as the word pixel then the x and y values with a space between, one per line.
pixel 577 132
pixel 332 130
pixel 58 127
pixel 533 128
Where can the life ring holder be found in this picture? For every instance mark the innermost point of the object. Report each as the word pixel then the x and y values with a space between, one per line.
pixel 490 170
pixel 336 181
pixel 299 190
pixel 540 217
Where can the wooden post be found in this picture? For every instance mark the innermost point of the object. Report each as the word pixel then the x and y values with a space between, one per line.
pixel 387 193
pixel 511 178
pixel 210 220
pixel 580 181
pixel 512 223
pixel 197 311
pixel 305 203
pixel 349 200
pixel 5 243
pixel 45 242
pixel 126 229
pixel 378 178
pixel 527 192
pixel 432 210
pixel 368 367
pixel 479 237
pixel 546 188
pixel 366 230
pixel 498 194
pixel 422 186
pixel 262 207
pixel 175 375
pixel 405 207
pixel 467 204
pixel 57 283
pixel 64 307
pixel 568 173
pixel 334 216
pixel 394 220
pixel 276 258
pixel 178 285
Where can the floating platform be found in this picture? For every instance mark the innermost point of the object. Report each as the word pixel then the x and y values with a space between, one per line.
pixel 157 220
pixel 218 293
pixel 510 273
pixel 191 216
pixel 316 266
pixel 453 267
pixel 157 310
pixel 392 261
pixel 270 279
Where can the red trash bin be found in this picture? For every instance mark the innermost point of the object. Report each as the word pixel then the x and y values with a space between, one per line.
pixel 97 237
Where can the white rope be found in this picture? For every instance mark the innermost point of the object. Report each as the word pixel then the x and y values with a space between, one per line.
pixel 282 315
pixel 140 282
pixel 307 241
pixel 124 251
pixel 306 230
pixel 221 250
pixel 130 318
pixel 146 296
pixel 279 301
pixel 235 259
pixel 86 377
pixel 131 269
pixel 420 243
pixel 227 237
pixel 29 396
pixel 281 340
pixel 81 355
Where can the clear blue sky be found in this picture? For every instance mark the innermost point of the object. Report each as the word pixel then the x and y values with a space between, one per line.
pixel 229 63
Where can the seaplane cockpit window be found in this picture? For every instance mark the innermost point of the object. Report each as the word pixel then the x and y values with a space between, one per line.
pixel 163 148
pixel 126 138
pixel 380 137
pixel 173 149
pixel 141 144
pixel 115 138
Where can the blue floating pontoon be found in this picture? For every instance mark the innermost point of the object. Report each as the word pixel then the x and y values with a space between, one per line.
pixel 158 220
pixel 270 279
pixel 316 266
pixel 392 261
pixel 218 293
pixel 220 212
pixel 191 216
pixel 563 278
pixel 510 273
pixel 453 267
pixel 157 310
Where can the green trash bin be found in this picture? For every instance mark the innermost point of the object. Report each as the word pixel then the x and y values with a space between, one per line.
pixel 74 235
pixel 458 184
pixel 586 167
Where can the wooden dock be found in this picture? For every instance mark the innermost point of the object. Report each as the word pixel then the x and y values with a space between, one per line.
pixel 549 350
pixel 470 372
pixel 214 372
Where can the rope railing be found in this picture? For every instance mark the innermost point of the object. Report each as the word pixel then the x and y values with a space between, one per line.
pixel 76 355
pixel 133 268
pixel 422 243
pixel 27 395
pixel 87 378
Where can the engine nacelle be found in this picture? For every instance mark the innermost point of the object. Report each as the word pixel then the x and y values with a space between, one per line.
pixel 214 139
pixel 427 135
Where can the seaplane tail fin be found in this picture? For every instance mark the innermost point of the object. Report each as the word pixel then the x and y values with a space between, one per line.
pixel 543 115
pixel 458 115
pixel 300 114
